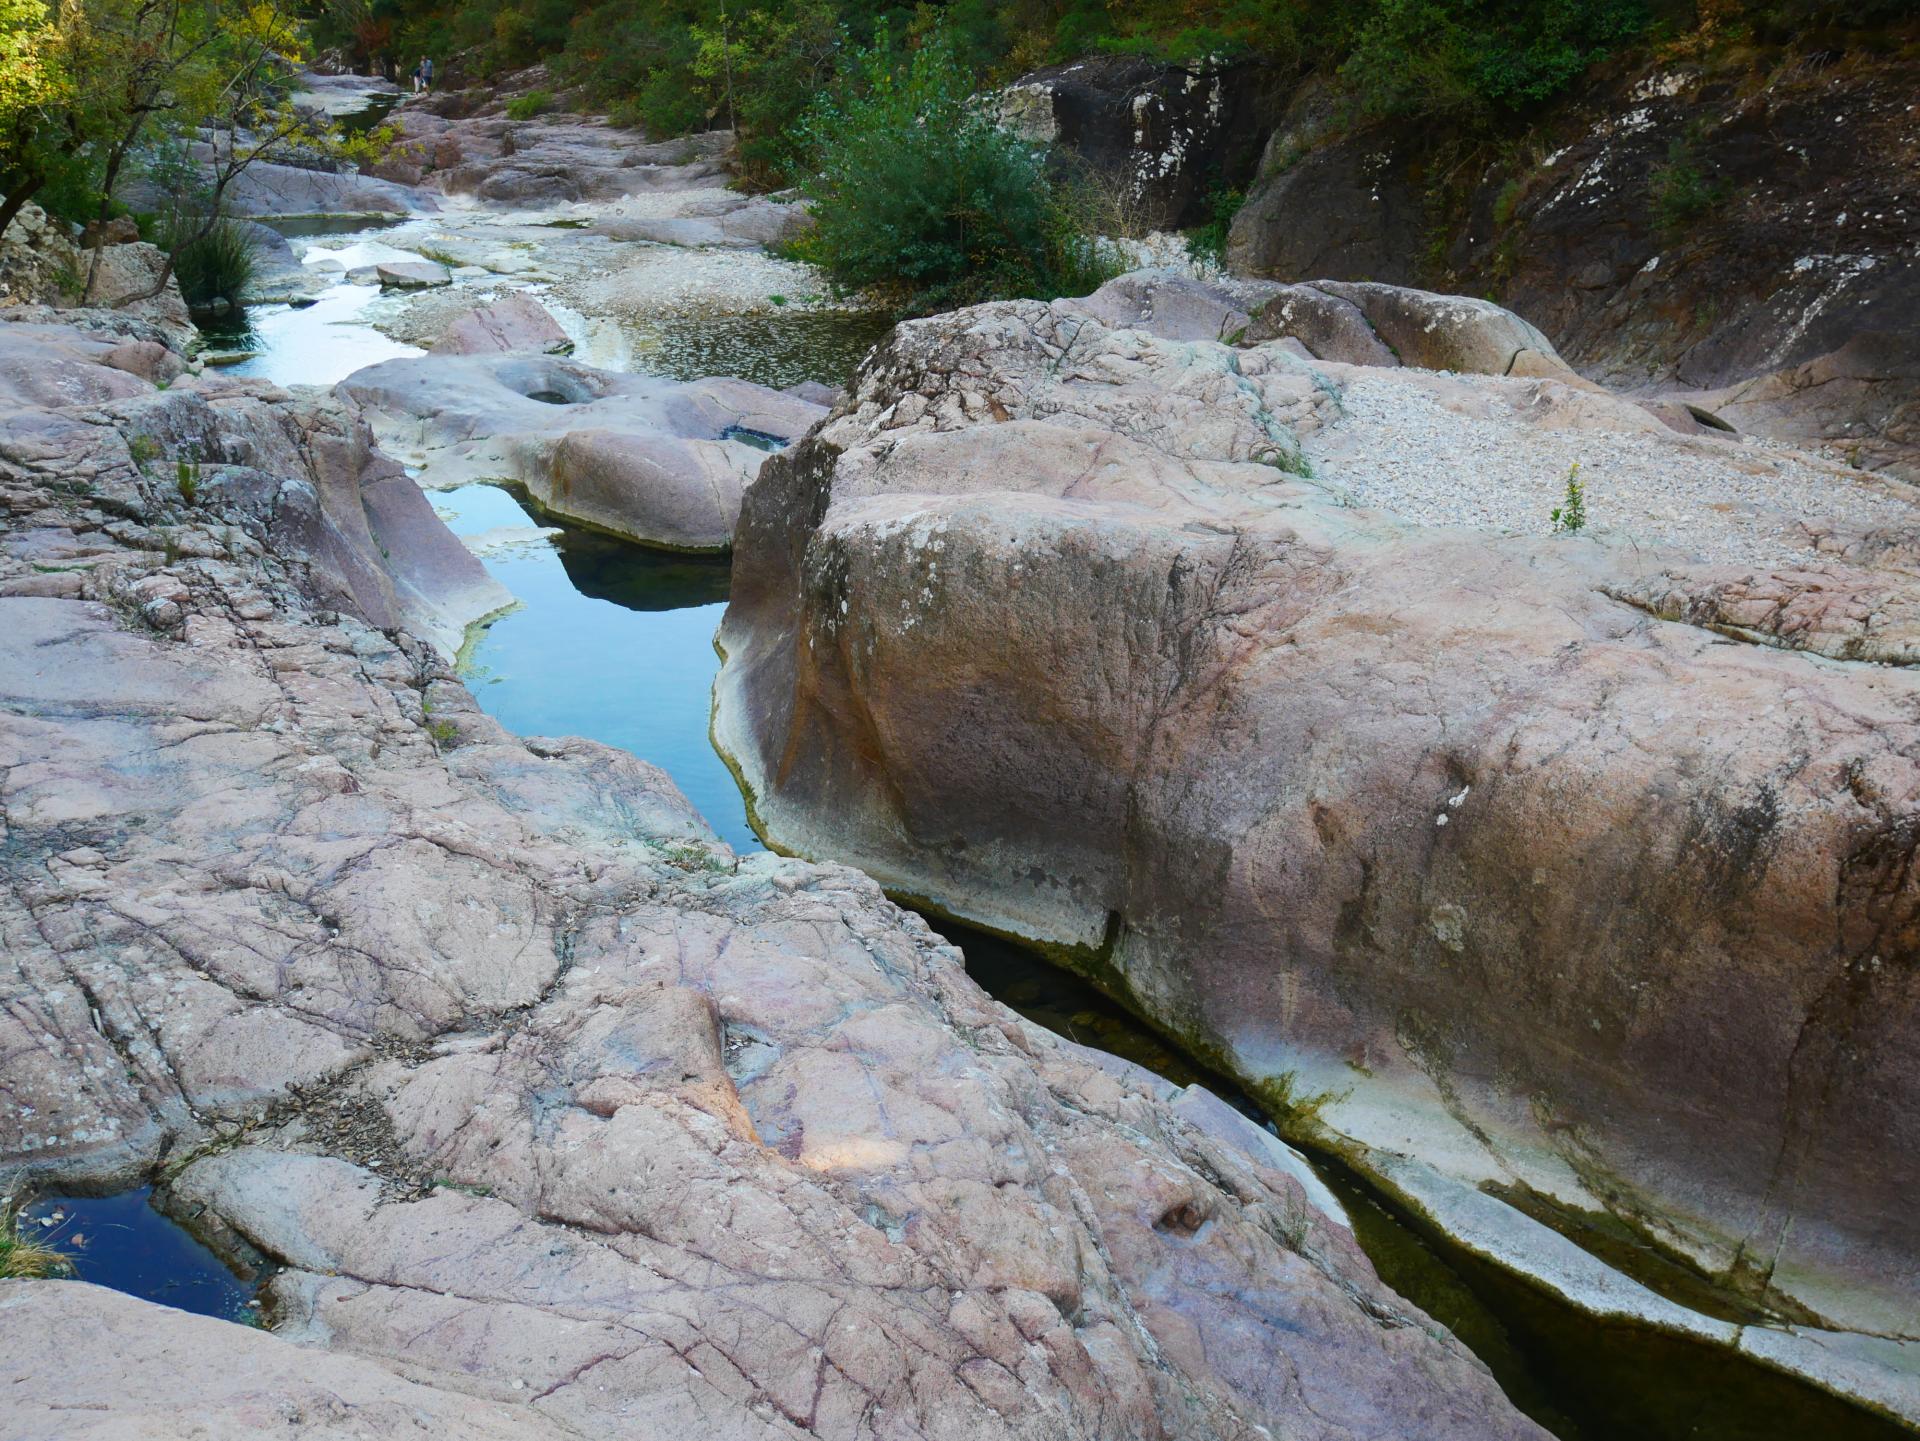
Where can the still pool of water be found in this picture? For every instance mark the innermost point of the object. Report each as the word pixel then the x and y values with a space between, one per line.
pixel 317 344
pixel 611 641
pixel 126 1243
pixel 778 349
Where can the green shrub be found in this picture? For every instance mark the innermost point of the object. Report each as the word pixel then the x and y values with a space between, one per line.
pixel 1208 243
pixel 525 107
pixel 1679 192
pixel 1477 60
pixel 211 262
pixel 920 198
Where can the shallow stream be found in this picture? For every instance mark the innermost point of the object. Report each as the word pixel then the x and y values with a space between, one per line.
pixel 614 642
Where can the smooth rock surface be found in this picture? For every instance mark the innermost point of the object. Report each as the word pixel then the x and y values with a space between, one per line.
pixel 515 322
pixel 655 461
pixel 411 275
pixel 1078 633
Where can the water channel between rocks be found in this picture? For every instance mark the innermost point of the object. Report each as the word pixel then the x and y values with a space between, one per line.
pixel 614 642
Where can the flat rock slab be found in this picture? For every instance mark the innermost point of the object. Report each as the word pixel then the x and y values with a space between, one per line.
pixel 412 275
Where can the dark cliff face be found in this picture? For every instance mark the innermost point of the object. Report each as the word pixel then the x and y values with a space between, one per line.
pixel 1163 137
pixel 1749 231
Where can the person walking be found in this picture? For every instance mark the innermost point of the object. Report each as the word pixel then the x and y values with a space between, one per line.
pixel 426 73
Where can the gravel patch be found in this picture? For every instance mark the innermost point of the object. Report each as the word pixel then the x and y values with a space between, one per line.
pixel 1398 448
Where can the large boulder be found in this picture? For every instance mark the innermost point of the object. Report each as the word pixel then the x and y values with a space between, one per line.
pixel 1237 680
pixel 656 461
pixel 551 1115
pixel 1355 323
pixel 1160 139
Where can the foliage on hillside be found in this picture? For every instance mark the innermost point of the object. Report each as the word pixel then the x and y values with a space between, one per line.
pixel 680 65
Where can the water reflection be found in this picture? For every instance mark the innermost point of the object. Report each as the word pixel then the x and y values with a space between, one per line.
pixel 125 1243
pixel 317 344
pixel 611 641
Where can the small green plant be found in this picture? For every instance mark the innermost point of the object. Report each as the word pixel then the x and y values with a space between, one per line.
pixel 186 476
pixel 24 1256
pixel 1679 192
pixel 1507 201
pixel 1570 517
pixel 143 448
pixel 170 547
pixel 1296 1112
pixel 525 107
pixel 778 299
pixel 1288 460
pixel 212 262
pixel 1208 243
pixel 689 856
pixel 443 734
pixel 70 278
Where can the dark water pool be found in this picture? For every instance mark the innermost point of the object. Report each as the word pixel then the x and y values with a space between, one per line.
pixel 1582 1379
pixel 780 349
pixel 126 1243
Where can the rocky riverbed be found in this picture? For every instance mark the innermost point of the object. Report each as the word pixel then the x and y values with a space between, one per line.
pixel 545 1112
pixel 557 1117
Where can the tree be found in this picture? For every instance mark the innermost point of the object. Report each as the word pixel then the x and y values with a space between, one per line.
pixel 34 89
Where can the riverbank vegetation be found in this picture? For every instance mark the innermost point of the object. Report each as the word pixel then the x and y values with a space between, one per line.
pixel 168 102
pixel 919 197
pixel 865 105
pixel 679 65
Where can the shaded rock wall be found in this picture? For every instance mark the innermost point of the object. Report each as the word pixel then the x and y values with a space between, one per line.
pixel 1162 137
pixel 1744 232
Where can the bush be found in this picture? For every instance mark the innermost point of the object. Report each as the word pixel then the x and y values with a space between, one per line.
pixel 1679 192
pixel 211 262
pixel 525 107
pixel 1474 60
pixel 920 198
pixel 1208 243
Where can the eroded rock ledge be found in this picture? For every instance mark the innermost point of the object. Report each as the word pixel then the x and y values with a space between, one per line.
pixel 1492 879
pixel 562 1120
